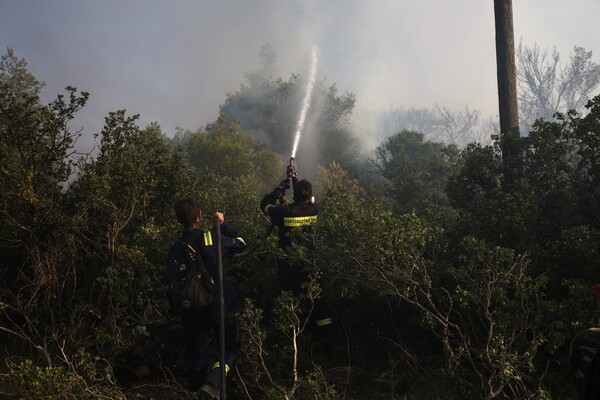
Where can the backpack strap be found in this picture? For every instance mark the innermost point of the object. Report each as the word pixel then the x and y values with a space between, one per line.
pixel 190 245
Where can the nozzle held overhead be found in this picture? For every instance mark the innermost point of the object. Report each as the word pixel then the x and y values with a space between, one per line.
pixel 291 169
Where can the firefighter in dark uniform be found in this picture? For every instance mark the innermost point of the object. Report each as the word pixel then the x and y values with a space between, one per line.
pixel 294 222
pixel 199 324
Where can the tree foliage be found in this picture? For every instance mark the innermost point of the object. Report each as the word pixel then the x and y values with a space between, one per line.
pixel 35 234
pixel 416 171
pixel 224 150
pixel 268 107
pixel 438 124
pixel 464 285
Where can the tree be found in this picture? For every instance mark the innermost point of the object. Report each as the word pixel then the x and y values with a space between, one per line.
pixel 547 85
pixel 267 109
pixel 227 152
pixel 550 213
pixel 16 80
pixel 35 138
pixel 36 240
pixel 557 190
pixel 472 305
pixel 439 124
pixel 416 171
pixel 331 130
pixel 562 165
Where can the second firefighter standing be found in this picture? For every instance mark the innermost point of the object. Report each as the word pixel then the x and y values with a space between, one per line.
pixel 295 223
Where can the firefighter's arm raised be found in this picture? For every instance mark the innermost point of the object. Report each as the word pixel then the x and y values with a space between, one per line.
pixel 271 198
pixel 231 240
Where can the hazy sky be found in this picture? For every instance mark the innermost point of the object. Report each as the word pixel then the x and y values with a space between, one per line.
pixel 173 62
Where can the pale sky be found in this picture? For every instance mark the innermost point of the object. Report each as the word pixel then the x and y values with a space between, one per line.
pixel 173 62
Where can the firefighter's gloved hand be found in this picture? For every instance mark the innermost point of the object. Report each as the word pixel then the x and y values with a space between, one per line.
pixel 284 185
pixel 277 194
pixel 267 201
pixel 291 171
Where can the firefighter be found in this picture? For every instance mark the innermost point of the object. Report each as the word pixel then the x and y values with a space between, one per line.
pixel 198 324
pixel 295 222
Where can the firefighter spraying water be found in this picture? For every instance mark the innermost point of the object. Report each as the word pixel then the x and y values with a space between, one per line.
pixel 295 224
pixel 301 214
pixel 291 179
pixel 295 220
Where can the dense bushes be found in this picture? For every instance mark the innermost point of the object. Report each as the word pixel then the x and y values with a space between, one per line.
pixel 468 287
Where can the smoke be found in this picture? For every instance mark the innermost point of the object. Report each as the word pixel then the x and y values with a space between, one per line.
pixel 307 98
pixel 390 54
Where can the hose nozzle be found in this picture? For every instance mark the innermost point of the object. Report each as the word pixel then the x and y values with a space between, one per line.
pixel 291 169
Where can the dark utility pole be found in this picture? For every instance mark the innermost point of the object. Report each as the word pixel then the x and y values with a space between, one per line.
pixel 507 86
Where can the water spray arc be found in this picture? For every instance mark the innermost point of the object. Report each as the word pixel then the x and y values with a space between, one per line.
pixel 307 98
pixel 291 168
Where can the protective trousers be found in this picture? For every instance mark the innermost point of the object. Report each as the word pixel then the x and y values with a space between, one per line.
pixel 197 328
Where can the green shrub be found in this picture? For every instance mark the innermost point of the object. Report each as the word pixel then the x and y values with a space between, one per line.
pixel 82 377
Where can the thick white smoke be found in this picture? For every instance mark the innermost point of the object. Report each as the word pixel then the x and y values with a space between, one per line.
pixel 307 97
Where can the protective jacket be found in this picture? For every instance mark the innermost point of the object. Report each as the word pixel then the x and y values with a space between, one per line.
pixel 295 225
pixel 199 324
pixel 206 243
